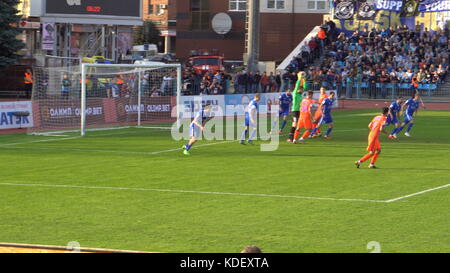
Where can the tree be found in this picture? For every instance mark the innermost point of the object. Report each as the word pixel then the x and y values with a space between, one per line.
pixel 9 44
pixel 147 34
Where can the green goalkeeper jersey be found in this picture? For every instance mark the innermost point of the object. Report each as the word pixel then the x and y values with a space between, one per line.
pixel 296 97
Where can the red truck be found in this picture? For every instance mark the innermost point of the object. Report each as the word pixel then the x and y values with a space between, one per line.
pixel 206 62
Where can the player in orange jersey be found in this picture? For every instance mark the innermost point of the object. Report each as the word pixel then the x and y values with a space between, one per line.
pixel 318 114
pixel 305 118
pixel 374 147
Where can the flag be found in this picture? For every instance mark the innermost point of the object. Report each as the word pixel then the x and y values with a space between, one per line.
pixel 410 8
pixel 434 5
pixel 344 10
pixel 366 9
pixel 392 5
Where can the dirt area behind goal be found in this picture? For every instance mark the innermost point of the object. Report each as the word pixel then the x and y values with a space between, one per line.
pixel 25 248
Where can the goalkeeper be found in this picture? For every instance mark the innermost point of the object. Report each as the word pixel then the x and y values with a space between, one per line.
pixel 296 100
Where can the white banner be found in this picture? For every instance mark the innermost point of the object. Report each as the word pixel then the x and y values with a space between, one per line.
pixel 11 115
pixel 434 5
pixel 234 104
pixel 48 36
pixel 190 105
pixel 394 5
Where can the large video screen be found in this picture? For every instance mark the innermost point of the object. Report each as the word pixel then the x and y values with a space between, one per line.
pixel 129 8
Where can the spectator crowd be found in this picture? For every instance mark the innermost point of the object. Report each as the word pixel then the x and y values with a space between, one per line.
pixel 372 60
pixel 205 83
pixel 379 57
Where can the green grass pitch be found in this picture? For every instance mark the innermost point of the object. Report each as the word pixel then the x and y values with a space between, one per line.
pixel 114 189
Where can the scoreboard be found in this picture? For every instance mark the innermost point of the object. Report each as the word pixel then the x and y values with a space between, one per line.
pixel 116 8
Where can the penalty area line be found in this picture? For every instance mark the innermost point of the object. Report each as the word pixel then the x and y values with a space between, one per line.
pixel 193 147
pixel 108 151
pixel 60 139
pixel 417 193
pixel 39 141
pixel 191 191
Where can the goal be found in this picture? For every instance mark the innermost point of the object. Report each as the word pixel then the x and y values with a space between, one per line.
pixel 103 96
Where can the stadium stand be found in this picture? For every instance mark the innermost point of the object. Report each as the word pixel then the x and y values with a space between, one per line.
pixel 380 63
pixel 367 64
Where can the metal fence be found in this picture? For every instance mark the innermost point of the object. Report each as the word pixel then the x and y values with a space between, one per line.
pixel 366 90
pixel 362 90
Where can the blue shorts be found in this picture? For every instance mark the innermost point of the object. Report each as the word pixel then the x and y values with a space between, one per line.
pixel 408 118
pixel 284 112
pixel 194 131
pixel 390 120
pixel 327 119
pixel 247 121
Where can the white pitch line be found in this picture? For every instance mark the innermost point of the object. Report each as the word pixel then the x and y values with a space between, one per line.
pixel 88 130
pixel 58 139
pixel 197 146
pixel 54 135
pixel 195 192
pixel 37 141
pixel 417 193
pixel 77 150
pixel 112 151
pixel 154 127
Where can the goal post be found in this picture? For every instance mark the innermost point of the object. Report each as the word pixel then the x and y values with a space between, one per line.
pixel 105 96
pixel 158 76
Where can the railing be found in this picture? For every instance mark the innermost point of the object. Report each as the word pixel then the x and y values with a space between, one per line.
pixel 362 90
pixel 373 90
pixel 285 63
pixel 92 46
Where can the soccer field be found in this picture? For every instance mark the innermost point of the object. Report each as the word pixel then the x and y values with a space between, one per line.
pixel 134 189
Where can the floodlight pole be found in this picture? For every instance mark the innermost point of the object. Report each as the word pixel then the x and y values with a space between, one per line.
pixel 253 35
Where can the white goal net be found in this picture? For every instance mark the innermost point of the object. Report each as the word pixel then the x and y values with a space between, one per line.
pixel 102 96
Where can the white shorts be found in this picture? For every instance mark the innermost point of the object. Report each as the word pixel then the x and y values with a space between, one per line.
pixel 194 131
